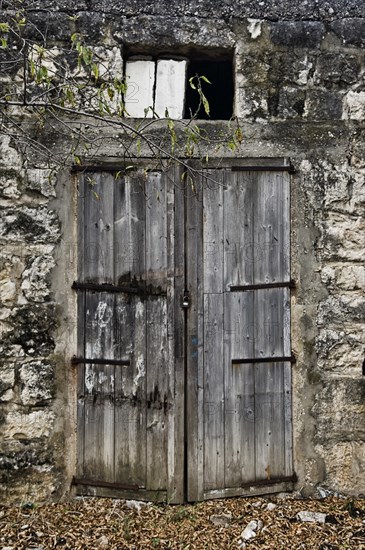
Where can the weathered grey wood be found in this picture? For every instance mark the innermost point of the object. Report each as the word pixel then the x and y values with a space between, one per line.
pixel 175 334
pixel 130 330
pixel 98 226
pixel 129 228
pixel 214 409
pixel 271 227
pixel 130 391
pixel 238 416
pixel 213 231
pixel 269 307
pixel 239 238
pixel 147 496
pixel 239 388
pixel 158 398
pixel 288 422
pixel 269 421
pixel 195 343
pixel 250 491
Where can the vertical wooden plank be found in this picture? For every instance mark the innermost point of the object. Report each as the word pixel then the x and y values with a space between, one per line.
pixel 158 399
pixel 179 336
pixel 81 321
pixel 99 387
pixel 269 421
pixel 288 422
pixel 99 380
pixel 239 333
pixel 240 248
pixel 213 231
pixel 271 226
pixel 99 427
pixel 130 331
pixel 175 334
pixel 98 227
pixel 195 342
pixel 129 228
pixel 269 307
pixel 214 405
pixel 130 391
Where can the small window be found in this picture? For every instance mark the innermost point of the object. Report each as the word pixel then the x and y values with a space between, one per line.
pixel 219 93
pixel 157 86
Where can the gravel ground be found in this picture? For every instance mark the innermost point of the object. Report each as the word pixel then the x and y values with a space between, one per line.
pixel 115 524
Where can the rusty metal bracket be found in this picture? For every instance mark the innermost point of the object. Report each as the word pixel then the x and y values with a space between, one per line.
pixel 106 287
pixel 83 360
pixel 271 481
pixel 107 484
pixel 258 286
pixel 283 359
pixel 262 168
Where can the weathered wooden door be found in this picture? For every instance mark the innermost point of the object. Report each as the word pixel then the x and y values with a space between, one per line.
pixel 184 388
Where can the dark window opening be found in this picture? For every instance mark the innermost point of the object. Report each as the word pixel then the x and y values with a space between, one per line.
pixel 219 93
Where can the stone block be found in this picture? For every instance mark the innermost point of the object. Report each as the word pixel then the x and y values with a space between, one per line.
pixel 10 158
pixel 345 189
pixel 33 425
pixel 297 34
pixel 110 62
pixel 350 30
pixel 344 462
pixel 10 184
pixel 340 349
pixel 337 70
pixel 34 285
pixel 170 88
pixel 140 80
pixel 354 106
pixel 38 225
pixel 339 411
pixel 251 103
pixel 343 308
pixel 91 26
pixel 42 181
pixel 32 328
pixel 7 379
pixel 343 237
pixel 323 105
pixel 344 276
pixel 291 103
pixel 37 383
pixel 48 23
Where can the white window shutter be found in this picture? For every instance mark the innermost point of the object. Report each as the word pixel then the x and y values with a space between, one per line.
pixel 140 80
pixel 170 87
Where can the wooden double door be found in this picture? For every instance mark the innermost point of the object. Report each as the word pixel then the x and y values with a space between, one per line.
pixel 184 359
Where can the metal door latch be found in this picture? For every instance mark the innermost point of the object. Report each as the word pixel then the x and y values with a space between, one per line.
pixel 186 299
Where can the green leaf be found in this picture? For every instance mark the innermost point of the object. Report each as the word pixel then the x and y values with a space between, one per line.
pixel 205 79
pixel 4 27
pixel 239 135
pixel 4 43
pixel 205 103
pixel 87 55
pixel 192 85
pixel 95 70
pixel 110 93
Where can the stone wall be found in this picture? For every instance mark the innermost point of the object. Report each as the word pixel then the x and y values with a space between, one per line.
pixel 300 93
